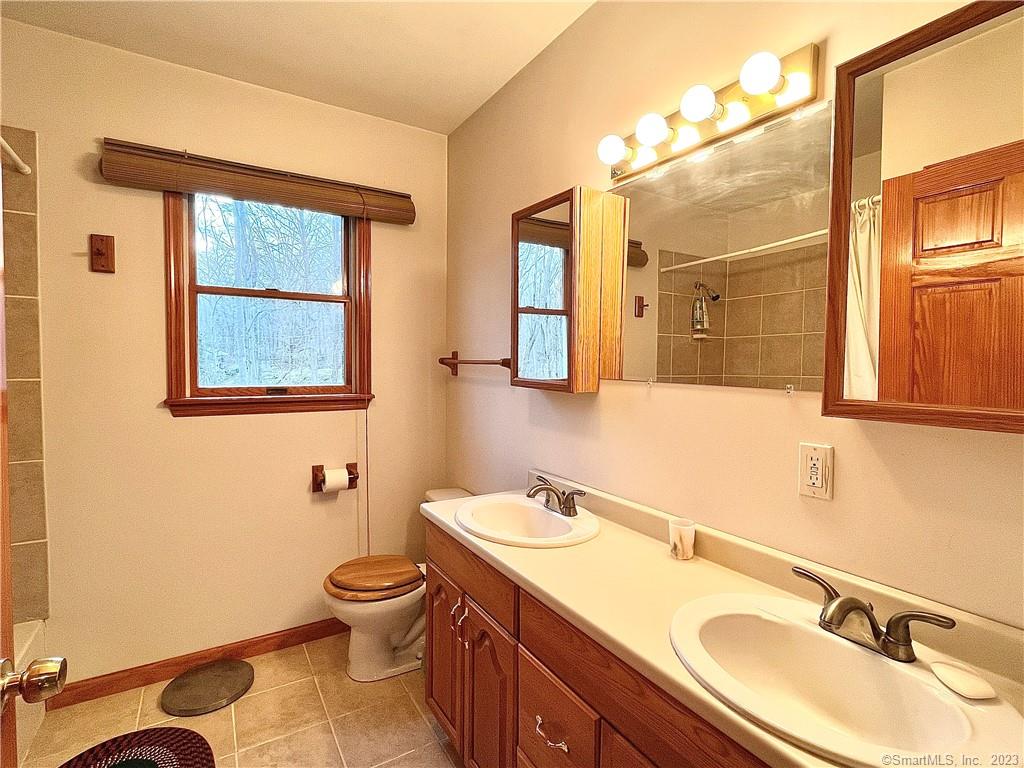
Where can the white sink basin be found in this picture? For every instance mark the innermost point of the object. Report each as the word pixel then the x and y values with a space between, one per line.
pixel 767 658
pixel 514 519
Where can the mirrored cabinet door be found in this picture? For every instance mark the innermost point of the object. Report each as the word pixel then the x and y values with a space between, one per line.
pixel 926 257
pixel 568 257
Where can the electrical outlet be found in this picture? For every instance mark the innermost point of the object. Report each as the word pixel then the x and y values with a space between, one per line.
pixel 815 473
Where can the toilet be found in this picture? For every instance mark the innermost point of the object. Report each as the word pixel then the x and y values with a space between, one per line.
pixel 381 598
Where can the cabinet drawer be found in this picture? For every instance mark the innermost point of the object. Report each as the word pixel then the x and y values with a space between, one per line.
pixel 667 732
pixel 565 719
pixel 617 752
pixel 492 591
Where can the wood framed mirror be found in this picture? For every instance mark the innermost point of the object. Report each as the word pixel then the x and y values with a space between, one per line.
pixel 925 319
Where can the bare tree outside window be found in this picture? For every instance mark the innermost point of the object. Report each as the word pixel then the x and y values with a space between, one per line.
pixel 261 340
pixel 543 338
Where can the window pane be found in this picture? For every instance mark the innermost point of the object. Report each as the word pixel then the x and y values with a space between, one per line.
pixel 541 276
pixel 543 347
pixel 257 245
pixel 248 342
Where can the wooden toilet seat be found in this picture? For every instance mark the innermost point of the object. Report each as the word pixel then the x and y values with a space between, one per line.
pixel 376 577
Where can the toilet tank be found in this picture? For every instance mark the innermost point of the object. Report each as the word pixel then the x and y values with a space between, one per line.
pixel 444 494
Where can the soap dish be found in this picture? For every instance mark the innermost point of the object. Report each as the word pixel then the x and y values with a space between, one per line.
pixel 962 680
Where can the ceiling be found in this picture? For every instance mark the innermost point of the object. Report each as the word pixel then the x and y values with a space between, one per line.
pixel 425 64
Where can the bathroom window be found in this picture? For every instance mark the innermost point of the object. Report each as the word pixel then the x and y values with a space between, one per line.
pixel 269 307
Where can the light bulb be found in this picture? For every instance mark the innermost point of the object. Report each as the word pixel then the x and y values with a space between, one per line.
pixel 651 129
pixel 762 73
pixel 686 136
pixel 798 87
pixel 612 150
pixel 699 103
pixel 736 113
pixel 644 156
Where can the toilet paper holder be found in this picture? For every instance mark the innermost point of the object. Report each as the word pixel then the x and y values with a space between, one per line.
pixel 320 476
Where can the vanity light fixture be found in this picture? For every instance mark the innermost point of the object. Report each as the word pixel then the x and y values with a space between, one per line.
pixel 652 129
pixel 768 86
pixel 612 150
pixel 686 136
pixel 762 73
pixel 736 114
pixel 753 133
pixel 798 88
pixel 700 103
pixel 644 156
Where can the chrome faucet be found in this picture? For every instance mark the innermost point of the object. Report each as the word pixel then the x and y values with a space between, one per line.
pixel 893 640
pixel 554 499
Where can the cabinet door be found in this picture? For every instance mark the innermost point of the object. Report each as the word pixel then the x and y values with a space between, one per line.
pixel 489 722
pixel 444 653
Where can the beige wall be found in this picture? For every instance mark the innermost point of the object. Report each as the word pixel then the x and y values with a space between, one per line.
pixel 933 511
pixel 170 535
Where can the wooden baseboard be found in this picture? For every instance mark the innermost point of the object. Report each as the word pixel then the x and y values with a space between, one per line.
pixel 126 679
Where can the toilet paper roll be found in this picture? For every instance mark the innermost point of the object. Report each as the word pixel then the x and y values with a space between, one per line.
pixel 336 480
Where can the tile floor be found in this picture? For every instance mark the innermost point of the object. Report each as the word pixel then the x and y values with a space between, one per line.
pixel 302 711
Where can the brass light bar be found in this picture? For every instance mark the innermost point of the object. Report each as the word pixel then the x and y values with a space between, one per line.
pixel 799 87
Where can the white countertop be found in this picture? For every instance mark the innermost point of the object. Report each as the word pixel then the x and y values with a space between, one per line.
pixel 622 588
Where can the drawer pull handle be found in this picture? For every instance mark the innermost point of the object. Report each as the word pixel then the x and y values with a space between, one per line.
pixel 560 745
pixel 451 614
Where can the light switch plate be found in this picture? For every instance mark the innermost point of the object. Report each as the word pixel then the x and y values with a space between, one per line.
pixel 816 477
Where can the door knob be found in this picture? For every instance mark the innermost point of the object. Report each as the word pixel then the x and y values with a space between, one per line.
pixel 41 680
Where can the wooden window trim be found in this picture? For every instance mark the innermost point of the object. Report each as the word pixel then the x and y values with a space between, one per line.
pixel 186 399
pixel 569 280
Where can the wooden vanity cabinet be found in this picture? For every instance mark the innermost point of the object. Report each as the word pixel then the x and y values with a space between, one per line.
pixel 444 677
pixel 471 653
pixel 557 729
pixel 617 752
pixel 497 658
pixel 489 722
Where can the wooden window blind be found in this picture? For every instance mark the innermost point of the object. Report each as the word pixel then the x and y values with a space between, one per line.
pixel 167 170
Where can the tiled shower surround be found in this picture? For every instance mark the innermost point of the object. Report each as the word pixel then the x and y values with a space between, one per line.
pixel 767 330
pixel 24 380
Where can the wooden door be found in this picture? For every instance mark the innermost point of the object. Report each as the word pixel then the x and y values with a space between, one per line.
pixel 951 330
pixel 444 653
pixel 489 721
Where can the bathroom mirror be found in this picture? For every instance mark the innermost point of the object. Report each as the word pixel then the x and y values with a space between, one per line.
pixel 725 275
pixel 926 262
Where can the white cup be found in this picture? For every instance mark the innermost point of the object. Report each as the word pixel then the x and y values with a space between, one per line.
pixel 681 533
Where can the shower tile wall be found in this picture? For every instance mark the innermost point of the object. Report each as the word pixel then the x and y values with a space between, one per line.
pixel 21 276
pixel 767 330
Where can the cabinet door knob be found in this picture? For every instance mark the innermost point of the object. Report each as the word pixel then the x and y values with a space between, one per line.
pixel 540 732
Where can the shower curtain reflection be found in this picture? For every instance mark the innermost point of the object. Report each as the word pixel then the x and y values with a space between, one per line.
pixel 862 299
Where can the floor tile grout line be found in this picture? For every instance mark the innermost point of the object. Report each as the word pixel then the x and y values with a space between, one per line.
pixel 323 703
pixel 138 712
pixel 396 757
pixel 234 733
pixel 416 706
pixel 307 727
